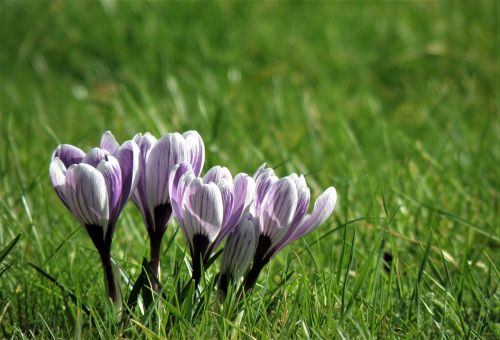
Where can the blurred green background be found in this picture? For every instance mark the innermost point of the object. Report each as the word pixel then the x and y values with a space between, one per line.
pixel 393 103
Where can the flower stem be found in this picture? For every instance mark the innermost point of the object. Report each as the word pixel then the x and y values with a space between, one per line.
pixel 111 283
pixel 154 264
pixel 253 274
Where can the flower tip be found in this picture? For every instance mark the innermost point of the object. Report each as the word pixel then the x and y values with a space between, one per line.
pixel 331 193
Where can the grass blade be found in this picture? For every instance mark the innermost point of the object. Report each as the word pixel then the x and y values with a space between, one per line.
pixel 60 285
pixel 5 251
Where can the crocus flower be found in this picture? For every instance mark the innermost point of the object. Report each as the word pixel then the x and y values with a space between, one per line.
pixel 208 208
pixel 95 187
pixel 238 252
pixel 280 207
pixel 157 158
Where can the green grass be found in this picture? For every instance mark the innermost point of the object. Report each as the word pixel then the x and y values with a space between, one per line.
pixel 394 104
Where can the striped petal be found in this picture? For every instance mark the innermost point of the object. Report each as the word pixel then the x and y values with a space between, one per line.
pixel 128 158
pixel 202 210
pixel 303 198
pixel 264 179
pixel 145 142
pixel 180 177
pixel 161 158
pixel 244 192
pixel 109 143
pixel 87 195
pixel 57 172
pixel 68 154
pixel 216 174
pixel 323 208
pixel 110 170
pixel 196 150
pixel 227 193
pixel 94 156
pixel 239 249
pixel 278 210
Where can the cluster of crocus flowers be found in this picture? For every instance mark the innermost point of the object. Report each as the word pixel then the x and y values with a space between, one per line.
pixel 257 216
pixel 208 208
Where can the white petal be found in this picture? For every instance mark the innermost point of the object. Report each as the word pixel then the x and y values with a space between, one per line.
pixel 278 209
pixel 216 174
pixel 196 150
pixel 180 177
pixel 240 248
pixel 162 157
pixel 109 143
pixel 323 208
pixel 87 195
pixel 202 209
pixel 264 179
pixel 110 170
pixel 57 172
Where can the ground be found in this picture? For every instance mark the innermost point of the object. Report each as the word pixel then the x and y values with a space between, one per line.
pixel 393 103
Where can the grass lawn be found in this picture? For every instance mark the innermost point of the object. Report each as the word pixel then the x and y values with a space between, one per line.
pixel 393 103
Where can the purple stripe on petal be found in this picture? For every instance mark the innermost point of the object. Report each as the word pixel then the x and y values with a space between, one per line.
pixel 196 150
pixel 244 192
pixel 57 172
pixel 323 208
pixel 227 192
pixel 202 210
pixel 216 174
pixel 239 248
pixel 139 196
pixel 94 156
pixel 68 154
pixel 304 196
pixel 264 179
pixel 128 158
pixel 108 143
pixel 168 151
pixel 87 193
pixel 110 169
pixel 278 209
pixel 70 194
pixel 180 177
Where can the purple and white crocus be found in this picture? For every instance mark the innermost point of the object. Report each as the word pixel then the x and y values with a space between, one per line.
pixel 280 208
pixel 157 159
pixel 95 186
pixel 207 209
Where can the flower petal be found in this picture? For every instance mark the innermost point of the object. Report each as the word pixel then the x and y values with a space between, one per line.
pixel 303 195
pixel 323 208
pixel 109 143
pixel 161 158
pixel 227 192
pixel 202 210
pixel 196 150
pixel 144 141
pixel 244 192
pixel 110 170
pixel 128 158
pixel 57 172
pixel 278 210
pixel 87 195
pixel 216 174
pixel 68 154
pixel 240 248
pixel 180 177
pixel 264 178
pixel 94 156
